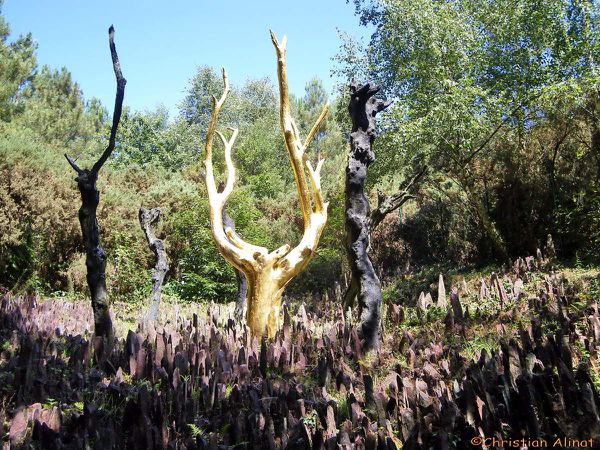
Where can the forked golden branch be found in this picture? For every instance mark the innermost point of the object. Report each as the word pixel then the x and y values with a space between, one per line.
pixel 268 272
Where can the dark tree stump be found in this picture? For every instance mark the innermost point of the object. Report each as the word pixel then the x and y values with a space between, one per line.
pixel 95 260
pixel 364 283
pixel 148 219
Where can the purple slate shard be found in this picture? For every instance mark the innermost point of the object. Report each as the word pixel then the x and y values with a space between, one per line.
pixel 311 385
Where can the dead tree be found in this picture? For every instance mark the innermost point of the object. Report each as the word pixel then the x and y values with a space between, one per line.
pixel 364 283
pixel 151 218
pixel 360 221
pixel 267 272
pixel 95 260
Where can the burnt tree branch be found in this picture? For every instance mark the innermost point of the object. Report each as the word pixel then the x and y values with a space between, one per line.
pixel 390 203
pixel 118 101
pixel 364 284
pixel 151 218
pixel 90 197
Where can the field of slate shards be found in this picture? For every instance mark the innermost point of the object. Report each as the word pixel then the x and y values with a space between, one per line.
pixel 205 383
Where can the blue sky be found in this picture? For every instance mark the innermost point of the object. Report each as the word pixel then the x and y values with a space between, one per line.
pixel 161 43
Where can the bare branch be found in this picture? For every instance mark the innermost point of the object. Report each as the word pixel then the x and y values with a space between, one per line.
pixel 118 102
pixel 280 252
pixel 73 165
pixel 386 205
pixel 293 142
pixel 228 144
pixel 315 178
pixel 232 247
pixel 498 127
pixel 217 105
pixel 314 220
pixel 210 134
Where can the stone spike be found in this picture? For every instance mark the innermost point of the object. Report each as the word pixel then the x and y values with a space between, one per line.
pixel 442 302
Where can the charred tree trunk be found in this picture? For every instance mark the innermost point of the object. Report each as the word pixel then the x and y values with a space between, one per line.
pixel 148 219
pixel 95 260
pixel 364 284
pixel 242 284
pixel 95 256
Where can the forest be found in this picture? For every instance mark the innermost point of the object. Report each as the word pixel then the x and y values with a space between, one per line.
pixel 411 261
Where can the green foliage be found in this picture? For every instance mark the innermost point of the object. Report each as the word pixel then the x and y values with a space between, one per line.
pixel 204 273
pixel 435 314
pixel 54 108
pixel 196 107
pixel 580 215
pixel 456 70
pixel 472 348
pixel 17 66
pixel 491 96
pixel 311 419
pixel 197 432
pixel 50 403
pixel 36 229
pixel 255 100
pixel 128 277
pixel 155 163
pixel 323 271
pixel 148 138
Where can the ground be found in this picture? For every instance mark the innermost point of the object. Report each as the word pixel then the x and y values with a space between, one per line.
pixel 511 361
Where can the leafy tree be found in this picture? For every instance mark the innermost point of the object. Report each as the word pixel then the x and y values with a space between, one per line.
pixel 467 78
pixel 56 110
pixel 17 67
pixel 36 231
pixel 97 114
pixel 309 107
pixel 196 106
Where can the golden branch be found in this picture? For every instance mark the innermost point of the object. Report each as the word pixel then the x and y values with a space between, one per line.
pixel 268 273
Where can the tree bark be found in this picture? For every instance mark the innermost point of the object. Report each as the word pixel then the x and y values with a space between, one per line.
pixel 95 260
pixel 95 256
pixel 148 219
pixel 362 108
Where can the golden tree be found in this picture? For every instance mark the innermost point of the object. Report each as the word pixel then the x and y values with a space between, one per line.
pixel 268 272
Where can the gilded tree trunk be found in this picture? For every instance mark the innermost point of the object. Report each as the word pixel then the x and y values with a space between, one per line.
pixel 364 284
pixel 264 303
pixel 267 273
